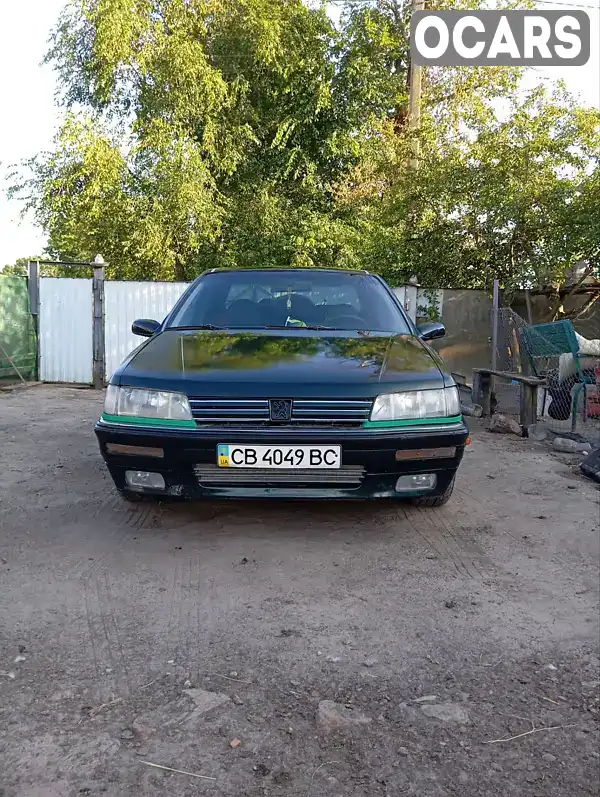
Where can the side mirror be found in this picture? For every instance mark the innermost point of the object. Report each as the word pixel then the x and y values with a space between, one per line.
pixel 431 330
pixel 145 327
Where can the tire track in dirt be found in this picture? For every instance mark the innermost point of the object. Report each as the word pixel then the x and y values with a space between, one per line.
pixel 149 514
pixel 467 499
pixel 105 653
pixel 101 629
pixel 185 625
pixel 438 538
pixel 173 631
pixel 101 618
pixel 198 628
pixel 90 626
pixel 433 541
pixel 119 520
pixel 439 521
pixel 193 625
pixel 184 631
pixel 113 534
pixel 187 644
pixel 111 617
pixel 131 515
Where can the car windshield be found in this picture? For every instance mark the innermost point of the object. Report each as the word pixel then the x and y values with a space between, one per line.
pixel 305 299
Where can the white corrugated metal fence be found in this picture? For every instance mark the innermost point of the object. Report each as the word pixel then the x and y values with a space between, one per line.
pixel 65 330
pixel 124 302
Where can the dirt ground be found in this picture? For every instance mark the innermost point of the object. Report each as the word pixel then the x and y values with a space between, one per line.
pixel 138 633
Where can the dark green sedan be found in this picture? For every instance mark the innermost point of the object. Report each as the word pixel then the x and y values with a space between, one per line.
pixel 295 383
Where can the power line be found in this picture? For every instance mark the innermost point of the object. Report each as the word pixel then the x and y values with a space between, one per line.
pixel 566 6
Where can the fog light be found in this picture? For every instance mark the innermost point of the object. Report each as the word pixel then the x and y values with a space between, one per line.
pixel 418 481
pixel 143 478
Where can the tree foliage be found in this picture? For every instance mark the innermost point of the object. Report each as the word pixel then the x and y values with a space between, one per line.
pixel 200 133
pixel 516 200
pixel 20 268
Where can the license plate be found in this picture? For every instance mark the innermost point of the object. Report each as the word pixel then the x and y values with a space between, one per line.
pixel 234 456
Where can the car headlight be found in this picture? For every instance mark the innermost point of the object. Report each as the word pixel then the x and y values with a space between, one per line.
pixel 143 403
pixel 416 405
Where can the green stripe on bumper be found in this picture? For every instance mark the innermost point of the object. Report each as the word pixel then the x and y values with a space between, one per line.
pixel 135 421
pixel 416 423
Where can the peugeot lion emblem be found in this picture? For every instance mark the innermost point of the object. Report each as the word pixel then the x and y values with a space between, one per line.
pixel 280 409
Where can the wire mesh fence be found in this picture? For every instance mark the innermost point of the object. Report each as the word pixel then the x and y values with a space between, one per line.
pixel 569 401
pixel 18 345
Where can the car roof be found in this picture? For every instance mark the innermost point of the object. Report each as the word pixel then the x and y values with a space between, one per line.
pixel 360 272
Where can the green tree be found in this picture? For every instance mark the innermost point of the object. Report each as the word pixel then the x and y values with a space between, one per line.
pixel 254 133
pixel 195 112
pixel 515 200
pixel 20 268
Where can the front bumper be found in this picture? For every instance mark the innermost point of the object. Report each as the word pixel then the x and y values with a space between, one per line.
pixel 372 450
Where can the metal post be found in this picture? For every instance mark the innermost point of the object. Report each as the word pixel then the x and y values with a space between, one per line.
pixel 33 288
pixel 98 321
pixel 414 97
pixel 528 303
pixel 495 305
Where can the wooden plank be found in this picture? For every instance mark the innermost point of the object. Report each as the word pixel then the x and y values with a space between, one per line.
pixel 528 380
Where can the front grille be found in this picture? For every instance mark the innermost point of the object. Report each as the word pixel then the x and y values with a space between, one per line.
pixel 228 412
pixel 213 476
pixel 244 413
pixel 336 412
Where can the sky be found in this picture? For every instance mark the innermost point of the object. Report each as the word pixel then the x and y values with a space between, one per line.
pixel 29 117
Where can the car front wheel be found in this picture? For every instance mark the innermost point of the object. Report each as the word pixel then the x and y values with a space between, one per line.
pixel 131 497
pixel 436 500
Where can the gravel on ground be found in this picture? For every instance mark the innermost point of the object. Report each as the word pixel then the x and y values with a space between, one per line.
pixel 293 649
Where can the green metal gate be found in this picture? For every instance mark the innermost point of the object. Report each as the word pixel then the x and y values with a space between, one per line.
pixel 18 344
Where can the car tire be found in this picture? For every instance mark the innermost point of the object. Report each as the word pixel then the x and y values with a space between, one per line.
pixel 131 497
pixel 436 500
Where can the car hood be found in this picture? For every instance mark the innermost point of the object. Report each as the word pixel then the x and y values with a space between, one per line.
pixel 281 363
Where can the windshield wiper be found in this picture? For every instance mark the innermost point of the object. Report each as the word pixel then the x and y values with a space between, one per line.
pixel 199 326
pixel 332 329
pixel 293 326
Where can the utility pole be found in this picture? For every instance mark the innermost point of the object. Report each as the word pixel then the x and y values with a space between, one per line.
pixel 414 101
